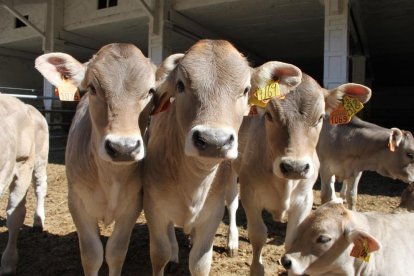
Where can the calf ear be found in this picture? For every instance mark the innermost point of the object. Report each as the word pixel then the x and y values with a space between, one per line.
pixel 59 67
pixel 334 97
pixel 161 98
pixel 395 139
pixel 288 75
pixel 359 237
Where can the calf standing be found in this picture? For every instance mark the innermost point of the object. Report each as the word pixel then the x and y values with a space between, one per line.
pixel 104 145
pixel 278 164
pixel 208 88
pixel 347 150
pixel 327 236
pixel 24 137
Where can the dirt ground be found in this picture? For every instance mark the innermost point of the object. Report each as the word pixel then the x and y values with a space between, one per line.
pixel 55 251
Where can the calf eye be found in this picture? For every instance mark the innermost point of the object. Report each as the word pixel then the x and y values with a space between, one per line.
pixel 323 239
pixel 92 89
pixel 246 90
pixel 319 120
pixel 268 116
pixel 410 155
pixel 151 91
pixel 180 87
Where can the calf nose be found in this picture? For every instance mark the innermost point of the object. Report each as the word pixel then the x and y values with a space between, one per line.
pixel 116 148
pixel 288 167
pixel 203 140
pixel 286 262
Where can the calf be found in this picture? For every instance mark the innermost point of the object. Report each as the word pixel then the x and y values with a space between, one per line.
pixel 207 90
pixel 278 164
pixel 347 150
pixel 24 138
pixel 381 243
pixel 104 145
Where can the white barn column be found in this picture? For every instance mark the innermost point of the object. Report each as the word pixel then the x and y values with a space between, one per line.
pixel 160 31
pixel 54 24
pixel 336 65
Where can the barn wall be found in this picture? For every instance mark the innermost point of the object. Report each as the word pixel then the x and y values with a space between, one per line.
pixel 35 9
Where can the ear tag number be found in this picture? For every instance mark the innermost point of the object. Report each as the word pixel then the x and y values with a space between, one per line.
pixel 67 91
pixel 345 111
pixel 263 95
pixel 361 250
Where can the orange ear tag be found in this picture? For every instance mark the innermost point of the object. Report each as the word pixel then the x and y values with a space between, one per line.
pixel 345 111
pixel 67 91
pixel 361 250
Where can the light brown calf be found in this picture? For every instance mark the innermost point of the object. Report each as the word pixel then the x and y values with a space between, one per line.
pixel 104 145
pixel 278 165
pixel 407 198
pixel 24 137
pixel 345 151
pixel 331 240
pixel 209 88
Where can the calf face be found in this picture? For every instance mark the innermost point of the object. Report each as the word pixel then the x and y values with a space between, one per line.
pixel 293 125
pixel 324 240
pixel 119 81
pixel 400 161
pixel 210 80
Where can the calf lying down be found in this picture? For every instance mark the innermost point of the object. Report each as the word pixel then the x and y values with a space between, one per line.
pixel 329 236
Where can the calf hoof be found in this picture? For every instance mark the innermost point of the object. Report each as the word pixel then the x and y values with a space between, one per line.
pixel 37 229
pixel 232 252
pixel 257 270
pixel 172 268
pixel 38 224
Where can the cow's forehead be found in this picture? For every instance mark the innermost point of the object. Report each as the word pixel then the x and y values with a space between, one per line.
pixel 306 100
pixel 215 62
pixel 328 215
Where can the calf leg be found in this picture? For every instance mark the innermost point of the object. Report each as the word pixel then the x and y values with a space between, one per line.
pixel 117 246
pixel 203 237
pixel 16 212
pixel 300 208
pixel 173 243
pixel 40 185
pixel 327 185
pixel 352 190
pixel 232 203
pixel 91 248
pixel 257 232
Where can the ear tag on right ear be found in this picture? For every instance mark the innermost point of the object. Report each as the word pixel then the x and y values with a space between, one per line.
pixel 68 91
pixel 361 250
pixel 345 111
pixel 271 90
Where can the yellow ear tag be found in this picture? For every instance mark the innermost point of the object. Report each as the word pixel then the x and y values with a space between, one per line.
pixel 361 250
pixel 271 90
pixel 345 111
pixel 68 91
pixel 263 95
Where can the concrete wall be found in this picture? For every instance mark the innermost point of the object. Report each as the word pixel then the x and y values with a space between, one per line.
pixel 80 13
pixel 35 9
pixel 18 72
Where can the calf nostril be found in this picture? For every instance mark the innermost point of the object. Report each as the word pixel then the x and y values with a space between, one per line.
pixel 231 139
pixel 306 168
pixel 286 262
pixel 285 168
pixel 137 145
pixel 198 141
pixel 110 149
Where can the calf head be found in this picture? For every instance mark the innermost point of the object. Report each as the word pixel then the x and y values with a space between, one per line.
pixel 324 242
pixel 119 81
pixel 209 86
pixel 293 125
pixel 400 156
pixel 407 198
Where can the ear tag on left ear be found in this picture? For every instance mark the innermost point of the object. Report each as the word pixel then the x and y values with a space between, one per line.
pixel 345 111
pixel 361 250
pixel 68 91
